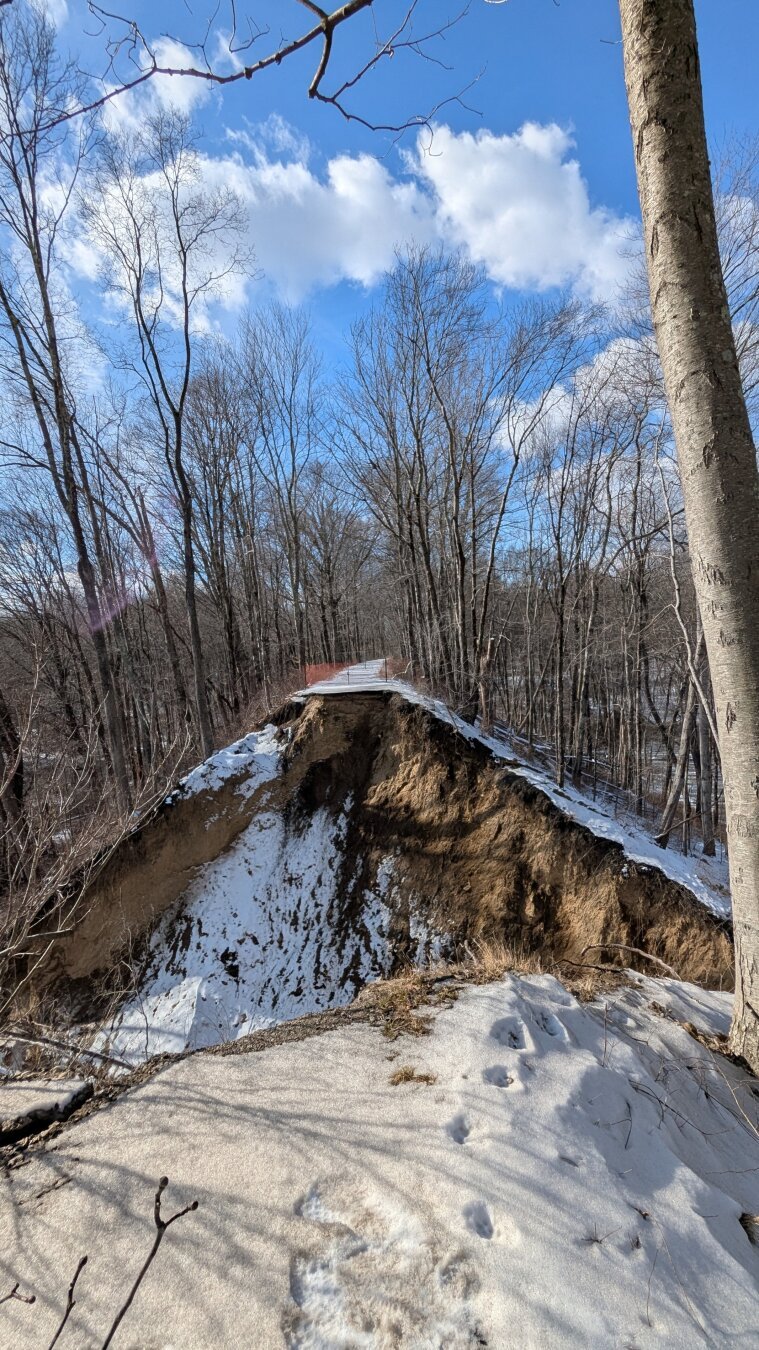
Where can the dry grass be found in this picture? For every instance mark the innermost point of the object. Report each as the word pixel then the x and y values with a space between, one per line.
pixel 588 983
pixel 408 1074
pixel 397 1000
pixel 487 960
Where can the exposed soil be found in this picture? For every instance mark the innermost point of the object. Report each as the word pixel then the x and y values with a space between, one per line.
pixel 143 876
pixel 479 855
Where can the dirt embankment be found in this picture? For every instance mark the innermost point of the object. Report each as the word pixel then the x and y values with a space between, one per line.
pixel 145 874
pixel 477 853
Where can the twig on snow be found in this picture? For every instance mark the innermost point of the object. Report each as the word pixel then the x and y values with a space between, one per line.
pixel 20 1298
pixel 650 1277
pixel 161 1226
pixel 70 1301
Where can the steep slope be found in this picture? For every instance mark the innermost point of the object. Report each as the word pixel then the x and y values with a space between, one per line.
pixel 363 833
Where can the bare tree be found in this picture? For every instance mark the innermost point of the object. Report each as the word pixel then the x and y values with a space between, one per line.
pixel 284 400
pixel 34 87
pixel 168 247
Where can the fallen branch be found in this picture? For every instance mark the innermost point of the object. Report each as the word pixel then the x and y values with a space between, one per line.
pixel 588 965
pixel 161 1226
pixel 66 1045
pixel 637 951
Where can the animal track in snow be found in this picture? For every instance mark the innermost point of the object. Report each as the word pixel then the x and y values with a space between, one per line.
pixel 508 1031
pixel 459 1129
pixel 478 1219
pixel 457 1275
pixel 498 1075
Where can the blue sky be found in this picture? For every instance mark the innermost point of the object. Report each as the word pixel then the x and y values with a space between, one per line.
pixel 553 205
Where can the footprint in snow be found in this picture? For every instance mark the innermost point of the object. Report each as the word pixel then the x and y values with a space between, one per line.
pixel 456 1274
pixel 458 1129
pixel 551 1025
pixel 498 1076
pixel 478 1219
pixel 508 1031
pixel 359 1253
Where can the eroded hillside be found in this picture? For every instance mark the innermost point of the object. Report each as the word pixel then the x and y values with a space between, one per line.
pixel 360 834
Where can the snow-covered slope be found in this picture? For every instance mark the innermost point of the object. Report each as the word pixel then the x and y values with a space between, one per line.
pixel 253 941
pixel 557 1174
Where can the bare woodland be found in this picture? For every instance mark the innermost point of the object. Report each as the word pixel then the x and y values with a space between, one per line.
pixel 487 493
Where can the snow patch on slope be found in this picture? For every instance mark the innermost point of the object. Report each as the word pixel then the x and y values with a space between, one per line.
pixel 256 755
pixel 260 936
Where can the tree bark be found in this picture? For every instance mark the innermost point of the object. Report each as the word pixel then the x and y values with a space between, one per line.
pixel 711 425
pixel 705 784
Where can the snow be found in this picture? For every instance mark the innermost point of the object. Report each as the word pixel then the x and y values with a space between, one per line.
pixel 574 1175
pixel 257 938
pixel 253 760
pixel 702 877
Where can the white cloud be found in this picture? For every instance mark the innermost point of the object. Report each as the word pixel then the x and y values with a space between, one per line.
pixel 517 204
pixel 128 111
pixel 520 206
pixel 57 11
pixel 273 134
pixel 175 91
pixel 309 231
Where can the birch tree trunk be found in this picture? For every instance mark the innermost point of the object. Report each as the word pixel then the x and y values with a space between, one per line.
pixel 714 444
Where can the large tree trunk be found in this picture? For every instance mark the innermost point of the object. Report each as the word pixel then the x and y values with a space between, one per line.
pixel 714 444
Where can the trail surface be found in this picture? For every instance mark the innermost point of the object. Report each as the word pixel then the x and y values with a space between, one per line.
pixel 566 1175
